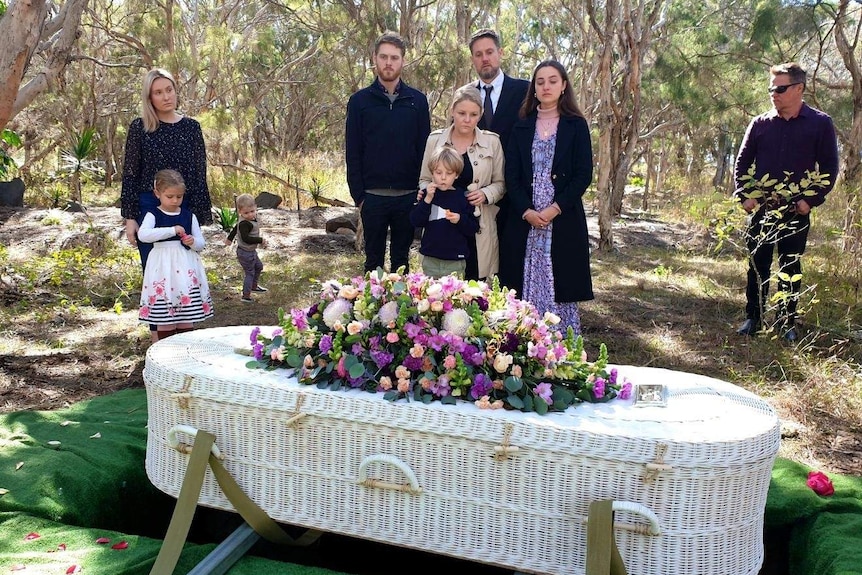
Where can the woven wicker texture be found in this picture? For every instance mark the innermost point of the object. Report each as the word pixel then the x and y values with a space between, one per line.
pixel 498 487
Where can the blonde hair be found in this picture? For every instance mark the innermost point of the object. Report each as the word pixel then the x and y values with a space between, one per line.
pixel 467 93
pixel 448 158
pixel 245 201
pixel 148 112
pixel 168 179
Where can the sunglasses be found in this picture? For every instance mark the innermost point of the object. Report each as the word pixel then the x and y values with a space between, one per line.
pixel 781 89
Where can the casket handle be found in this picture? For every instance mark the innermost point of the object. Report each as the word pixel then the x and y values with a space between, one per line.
pixel 642 510
pixel 175 443
pixel 412 487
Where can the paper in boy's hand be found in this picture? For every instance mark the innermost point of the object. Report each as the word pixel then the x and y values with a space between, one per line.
pixel 437 213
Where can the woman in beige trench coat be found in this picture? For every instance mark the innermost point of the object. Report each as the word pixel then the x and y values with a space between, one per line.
pixel 483 165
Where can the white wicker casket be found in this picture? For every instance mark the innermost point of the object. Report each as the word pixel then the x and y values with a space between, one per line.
pixel 499 487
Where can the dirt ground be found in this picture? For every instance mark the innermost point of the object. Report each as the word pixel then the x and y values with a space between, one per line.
pixel 103 351
pixel 89 363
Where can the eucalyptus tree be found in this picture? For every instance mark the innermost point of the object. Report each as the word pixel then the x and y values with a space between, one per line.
pixel 624 33
pixel 37 30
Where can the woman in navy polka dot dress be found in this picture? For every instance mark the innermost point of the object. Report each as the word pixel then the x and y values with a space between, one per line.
pixel 162 139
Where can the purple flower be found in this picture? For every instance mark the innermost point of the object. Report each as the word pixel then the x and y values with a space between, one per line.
pixel 613 378
pixel 357 349
pixel 381 358
pixel 437 342
pixel 482 303
pixel 253 336
pixel 626 391
pixel 299 319
pixel 511 343
pixel 413 363
pixel 441 387
pixel 312 310
pixel 412 330
pixel 325 344
pixel 482 385
pixel 545 391
pixel 258 351
pixel 599 388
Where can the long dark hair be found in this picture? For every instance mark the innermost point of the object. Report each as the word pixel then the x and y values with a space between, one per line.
pixel 566 104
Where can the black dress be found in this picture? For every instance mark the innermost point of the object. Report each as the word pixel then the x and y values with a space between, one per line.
pixel 178 146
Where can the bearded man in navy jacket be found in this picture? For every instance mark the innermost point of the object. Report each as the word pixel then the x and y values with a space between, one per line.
pixel 388 124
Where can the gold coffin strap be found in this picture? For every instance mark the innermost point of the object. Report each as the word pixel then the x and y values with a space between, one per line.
pixel 184 511
pixel 603 557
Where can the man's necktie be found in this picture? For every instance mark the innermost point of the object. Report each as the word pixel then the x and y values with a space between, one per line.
pixel 488 112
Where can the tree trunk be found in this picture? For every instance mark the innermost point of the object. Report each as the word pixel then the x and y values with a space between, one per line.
pixel 57 48
pixel 605 123
pixel 20 30
pixel 649 178
pixel 851 175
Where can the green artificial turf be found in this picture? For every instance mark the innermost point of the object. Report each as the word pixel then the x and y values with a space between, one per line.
pixel 83 465
pixel 59 548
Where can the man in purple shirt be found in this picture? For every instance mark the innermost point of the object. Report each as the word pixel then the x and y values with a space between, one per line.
pixel 783 144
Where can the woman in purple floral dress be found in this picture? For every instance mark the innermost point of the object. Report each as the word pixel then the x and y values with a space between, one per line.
pixel 545 253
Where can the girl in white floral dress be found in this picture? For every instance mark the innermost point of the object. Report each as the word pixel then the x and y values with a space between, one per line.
pixel 175 293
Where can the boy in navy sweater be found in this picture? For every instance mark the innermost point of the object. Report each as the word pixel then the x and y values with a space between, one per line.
pixel 447 217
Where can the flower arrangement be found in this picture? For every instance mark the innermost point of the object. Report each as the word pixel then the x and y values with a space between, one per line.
pixel 417 338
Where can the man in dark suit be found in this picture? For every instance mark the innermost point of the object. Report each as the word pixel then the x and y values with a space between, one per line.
pixel 503 97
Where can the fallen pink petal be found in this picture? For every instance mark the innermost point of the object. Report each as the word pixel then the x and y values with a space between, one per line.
pixel 17 567
pixel 103 540
pixel 31 536
pixel 73 569
pixel 61 547
pixel 120 545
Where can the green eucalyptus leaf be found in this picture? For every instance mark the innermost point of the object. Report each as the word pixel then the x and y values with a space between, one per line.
pixel 515 401
pixel 540 405
pixel 293 359
pixel 513 383
pixel 356 370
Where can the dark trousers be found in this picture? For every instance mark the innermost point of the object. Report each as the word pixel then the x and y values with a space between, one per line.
pixel 472 262
pixel 789 235
pixel 252 266
pixel 382 215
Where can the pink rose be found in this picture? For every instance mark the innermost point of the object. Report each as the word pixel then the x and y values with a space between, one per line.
pixel 820 483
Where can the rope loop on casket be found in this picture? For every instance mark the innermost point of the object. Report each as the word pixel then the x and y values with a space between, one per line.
pixel 297 413
pixel 183 396
pixel 504 450
pixel 657 465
